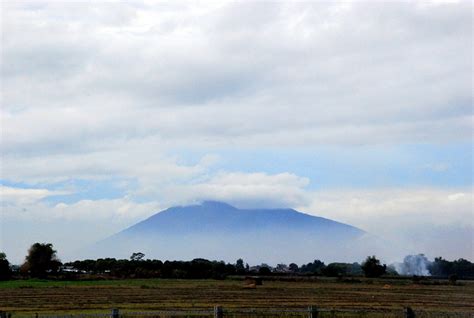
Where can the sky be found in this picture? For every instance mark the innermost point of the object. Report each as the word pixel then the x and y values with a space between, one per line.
pixel 361 112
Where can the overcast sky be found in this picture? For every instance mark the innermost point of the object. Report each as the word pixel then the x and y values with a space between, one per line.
pixel 356 111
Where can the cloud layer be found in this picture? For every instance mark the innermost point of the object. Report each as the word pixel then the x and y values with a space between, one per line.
pixel 431 221
pixel 125 94
pixel 241 73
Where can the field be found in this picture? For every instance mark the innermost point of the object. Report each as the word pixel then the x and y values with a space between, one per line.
pixel 33 296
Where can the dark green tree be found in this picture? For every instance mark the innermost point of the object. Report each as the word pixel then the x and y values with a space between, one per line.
pixel 317 267
pixel 239 266
pixel 293 268
pixel 461 267
pixel 264 270
pixel 138 256
pixel 372 267
pixel 335 270
pixel 5 269
pixel 41 260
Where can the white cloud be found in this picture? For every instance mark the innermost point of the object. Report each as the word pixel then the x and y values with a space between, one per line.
pixel 325 73
pixel 70 227
pixel 457 196
pixel 433 221
pixel 26 205
pixel 141 159
pixel 409 205
pixel 245 190
pixel 119 211
pixel 19 196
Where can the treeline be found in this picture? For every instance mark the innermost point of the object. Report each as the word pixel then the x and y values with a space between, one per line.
pixel 203 268
pixel 123 268
pixel 42 262
pixel 318 268
pixel 461 268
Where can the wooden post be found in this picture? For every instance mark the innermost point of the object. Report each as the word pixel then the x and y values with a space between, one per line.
pixel 115 313
pixel 312 312
pixel 408 312
pixel 218 312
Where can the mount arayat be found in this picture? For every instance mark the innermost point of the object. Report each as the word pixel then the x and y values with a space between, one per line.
pixel 219 231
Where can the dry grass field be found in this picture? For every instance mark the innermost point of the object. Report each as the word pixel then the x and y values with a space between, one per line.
pixel 27 297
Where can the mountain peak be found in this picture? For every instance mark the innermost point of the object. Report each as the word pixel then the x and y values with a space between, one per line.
pixel 216 204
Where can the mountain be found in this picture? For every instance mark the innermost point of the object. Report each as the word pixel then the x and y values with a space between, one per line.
pixel 219 231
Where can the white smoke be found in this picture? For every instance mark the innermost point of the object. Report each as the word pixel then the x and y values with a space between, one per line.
pixel 414 265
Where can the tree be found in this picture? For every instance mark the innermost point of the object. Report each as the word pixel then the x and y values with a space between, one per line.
pixel 293 268
pixel 138 256
pixel 281 268
pixel 335 270
pixel 41 260
pixel 5 270
pixel 264 269
pixel 372 268
pixel 239 266
pixel 461 267
pixel 316 267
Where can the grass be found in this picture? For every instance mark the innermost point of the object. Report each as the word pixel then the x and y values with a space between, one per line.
pixel 41 296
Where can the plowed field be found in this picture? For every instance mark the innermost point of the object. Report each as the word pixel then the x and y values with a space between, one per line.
pixel 155 294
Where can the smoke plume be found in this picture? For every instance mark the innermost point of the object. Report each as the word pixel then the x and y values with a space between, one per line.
pixel 414 265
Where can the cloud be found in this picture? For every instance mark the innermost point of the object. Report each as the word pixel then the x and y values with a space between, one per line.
pixel 20 196
pixel 27 205
pixel 70 227
pixel 372 73
pixel 93 90
pixel 142 159
pixel 120 210
pixel 245 190
pixel 434 221
pixel 409 205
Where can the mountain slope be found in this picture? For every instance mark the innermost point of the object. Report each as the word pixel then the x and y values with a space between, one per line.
pixel 217 230
pixel 221 217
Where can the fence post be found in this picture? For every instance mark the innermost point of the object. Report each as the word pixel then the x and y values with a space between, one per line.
pixel 408 312
pixel 115 313
pixel 312 312
pixel 218 312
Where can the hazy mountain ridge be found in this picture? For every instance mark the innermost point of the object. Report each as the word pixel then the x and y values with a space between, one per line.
pixel 216 230
pixel 222 217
